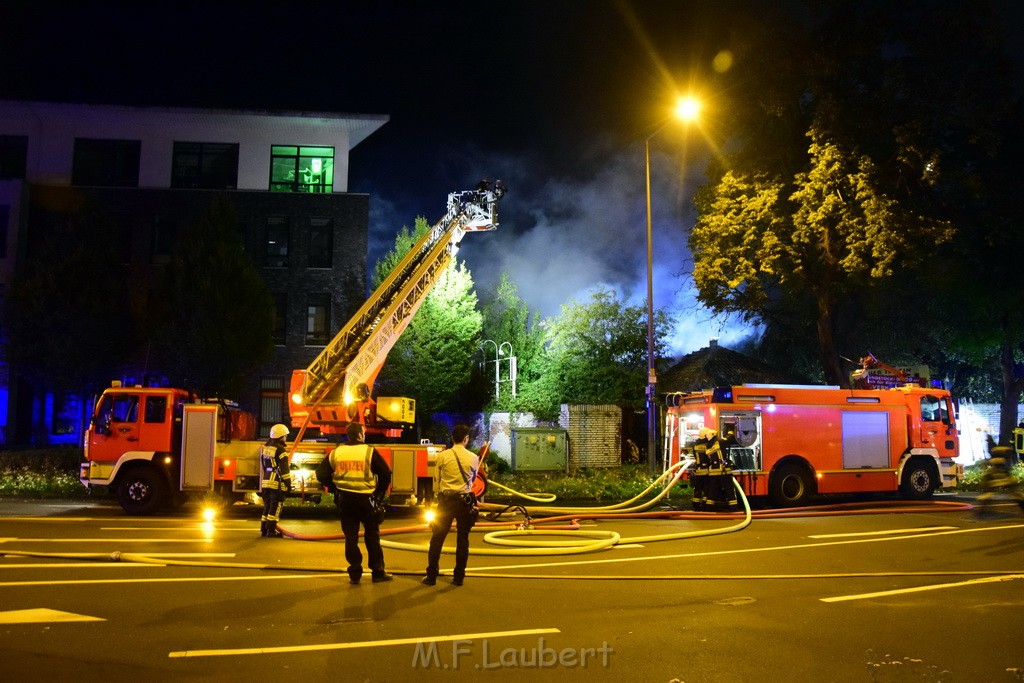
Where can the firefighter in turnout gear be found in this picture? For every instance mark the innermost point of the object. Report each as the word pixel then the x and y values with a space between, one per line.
pixel 360 476
pixel 997 478
pixel 275 480
pixel 712 488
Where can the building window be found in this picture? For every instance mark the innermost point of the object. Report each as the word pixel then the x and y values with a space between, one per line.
pixel 5 224
pixel 320 253
pixel 13 157
pixel 205 166
pixel 106 163
pixel 318 319
pixel 272 404
pixel 280 318
pixel 301 169
pixel 277 242
pixel 165 236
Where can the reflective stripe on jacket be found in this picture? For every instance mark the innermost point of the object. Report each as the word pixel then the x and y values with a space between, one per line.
pixel 274 472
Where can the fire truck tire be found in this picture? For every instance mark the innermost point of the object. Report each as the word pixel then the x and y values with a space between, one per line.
pixel 141 491
pixel 790 485
pixel 919 479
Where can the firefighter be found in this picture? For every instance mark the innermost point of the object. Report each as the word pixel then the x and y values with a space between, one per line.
pixel 719 493
pixel 997 479
pixel 360 476
pixel 699 477
pixel 275 480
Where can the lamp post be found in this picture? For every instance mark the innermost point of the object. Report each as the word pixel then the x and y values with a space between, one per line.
pixel 503 349
pixel 686 110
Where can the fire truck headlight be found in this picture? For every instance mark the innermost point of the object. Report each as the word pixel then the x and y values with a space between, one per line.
pixel 209 514
pixel 297 398
pixel 429 515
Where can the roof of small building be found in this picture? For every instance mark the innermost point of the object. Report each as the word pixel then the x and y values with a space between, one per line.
pixel 717 366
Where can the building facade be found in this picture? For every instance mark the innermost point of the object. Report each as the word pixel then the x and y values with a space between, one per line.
pixel 150 172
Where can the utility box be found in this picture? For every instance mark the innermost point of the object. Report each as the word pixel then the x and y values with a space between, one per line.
pixel 540 449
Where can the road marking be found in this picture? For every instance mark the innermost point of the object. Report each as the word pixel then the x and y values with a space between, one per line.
pixel 75 565
pixel 919 589
pixel 247 529
pixel 42 616
pixel 712 553
pixel 110 540
pixel 80 582
pixel 361 644
pixel 886 532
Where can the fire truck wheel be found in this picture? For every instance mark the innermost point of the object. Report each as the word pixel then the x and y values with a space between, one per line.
pixel 919 479
pixel 141 491
pixel 790 485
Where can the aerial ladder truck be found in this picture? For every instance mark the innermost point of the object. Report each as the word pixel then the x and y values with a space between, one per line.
pixel 150 446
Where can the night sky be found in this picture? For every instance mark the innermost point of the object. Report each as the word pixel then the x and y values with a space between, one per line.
pixel 555 97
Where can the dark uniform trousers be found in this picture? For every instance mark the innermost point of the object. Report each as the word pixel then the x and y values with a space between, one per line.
pixel 357 509
pixel 450 508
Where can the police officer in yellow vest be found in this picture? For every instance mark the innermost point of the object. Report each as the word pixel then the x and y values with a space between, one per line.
pixel 275 480
pixel 361 477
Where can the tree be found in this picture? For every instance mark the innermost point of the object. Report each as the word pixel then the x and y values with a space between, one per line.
pixel 834 234
pixel 594 353
pixel 506 318
pixel 214 316
pixel 433 359
pixel 67 319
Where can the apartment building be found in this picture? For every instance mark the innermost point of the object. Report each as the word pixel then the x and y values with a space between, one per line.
pixel 153 171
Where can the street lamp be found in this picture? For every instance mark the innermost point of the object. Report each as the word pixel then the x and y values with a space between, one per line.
pixel 503 349
pixel 686 109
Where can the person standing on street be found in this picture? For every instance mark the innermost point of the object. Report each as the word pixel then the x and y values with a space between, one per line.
pixel 275 480
pixel 454 472
pixel 361 477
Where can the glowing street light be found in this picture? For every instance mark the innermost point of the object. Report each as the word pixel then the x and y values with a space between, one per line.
pixel 686 109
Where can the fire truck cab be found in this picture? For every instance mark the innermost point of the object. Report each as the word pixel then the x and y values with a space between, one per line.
pixel 790 442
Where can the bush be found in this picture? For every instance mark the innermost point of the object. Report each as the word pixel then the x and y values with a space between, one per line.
pixel 42 473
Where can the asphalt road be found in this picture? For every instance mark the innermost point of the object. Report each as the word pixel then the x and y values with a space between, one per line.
pixel 924 594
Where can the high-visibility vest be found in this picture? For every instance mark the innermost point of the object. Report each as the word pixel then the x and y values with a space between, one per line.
pixel 352 468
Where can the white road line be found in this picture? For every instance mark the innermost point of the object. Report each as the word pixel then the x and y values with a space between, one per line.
pixel 919 589
pixel 81 582
pixel 885 532
pixel 111 540
pixel 680 556
pixel 76 565
pixel 361 644
pixel 42 616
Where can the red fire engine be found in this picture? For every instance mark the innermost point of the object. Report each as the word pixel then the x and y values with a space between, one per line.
pixel 150 445
pixel 790 442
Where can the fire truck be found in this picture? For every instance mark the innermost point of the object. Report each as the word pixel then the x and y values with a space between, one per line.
pixel 151 446
pixel 790 442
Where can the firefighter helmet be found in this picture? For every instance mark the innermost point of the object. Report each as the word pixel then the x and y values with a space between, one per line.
pixel 278 431
pixel 706 433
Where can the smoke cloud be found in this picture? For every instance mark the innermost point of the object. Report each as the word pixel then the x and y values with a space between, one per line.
pixel 560 238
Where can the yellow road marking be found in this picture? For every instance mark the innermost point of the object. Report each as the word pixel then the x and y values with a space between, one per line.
pixel 886 532
pixel 919 589
pixel 80 582
pixel 42 616
pixel 361 644
pixel 712 553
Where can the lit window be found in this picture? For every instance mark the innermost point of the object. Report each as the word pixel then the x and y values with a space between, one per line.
pixel 301 169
